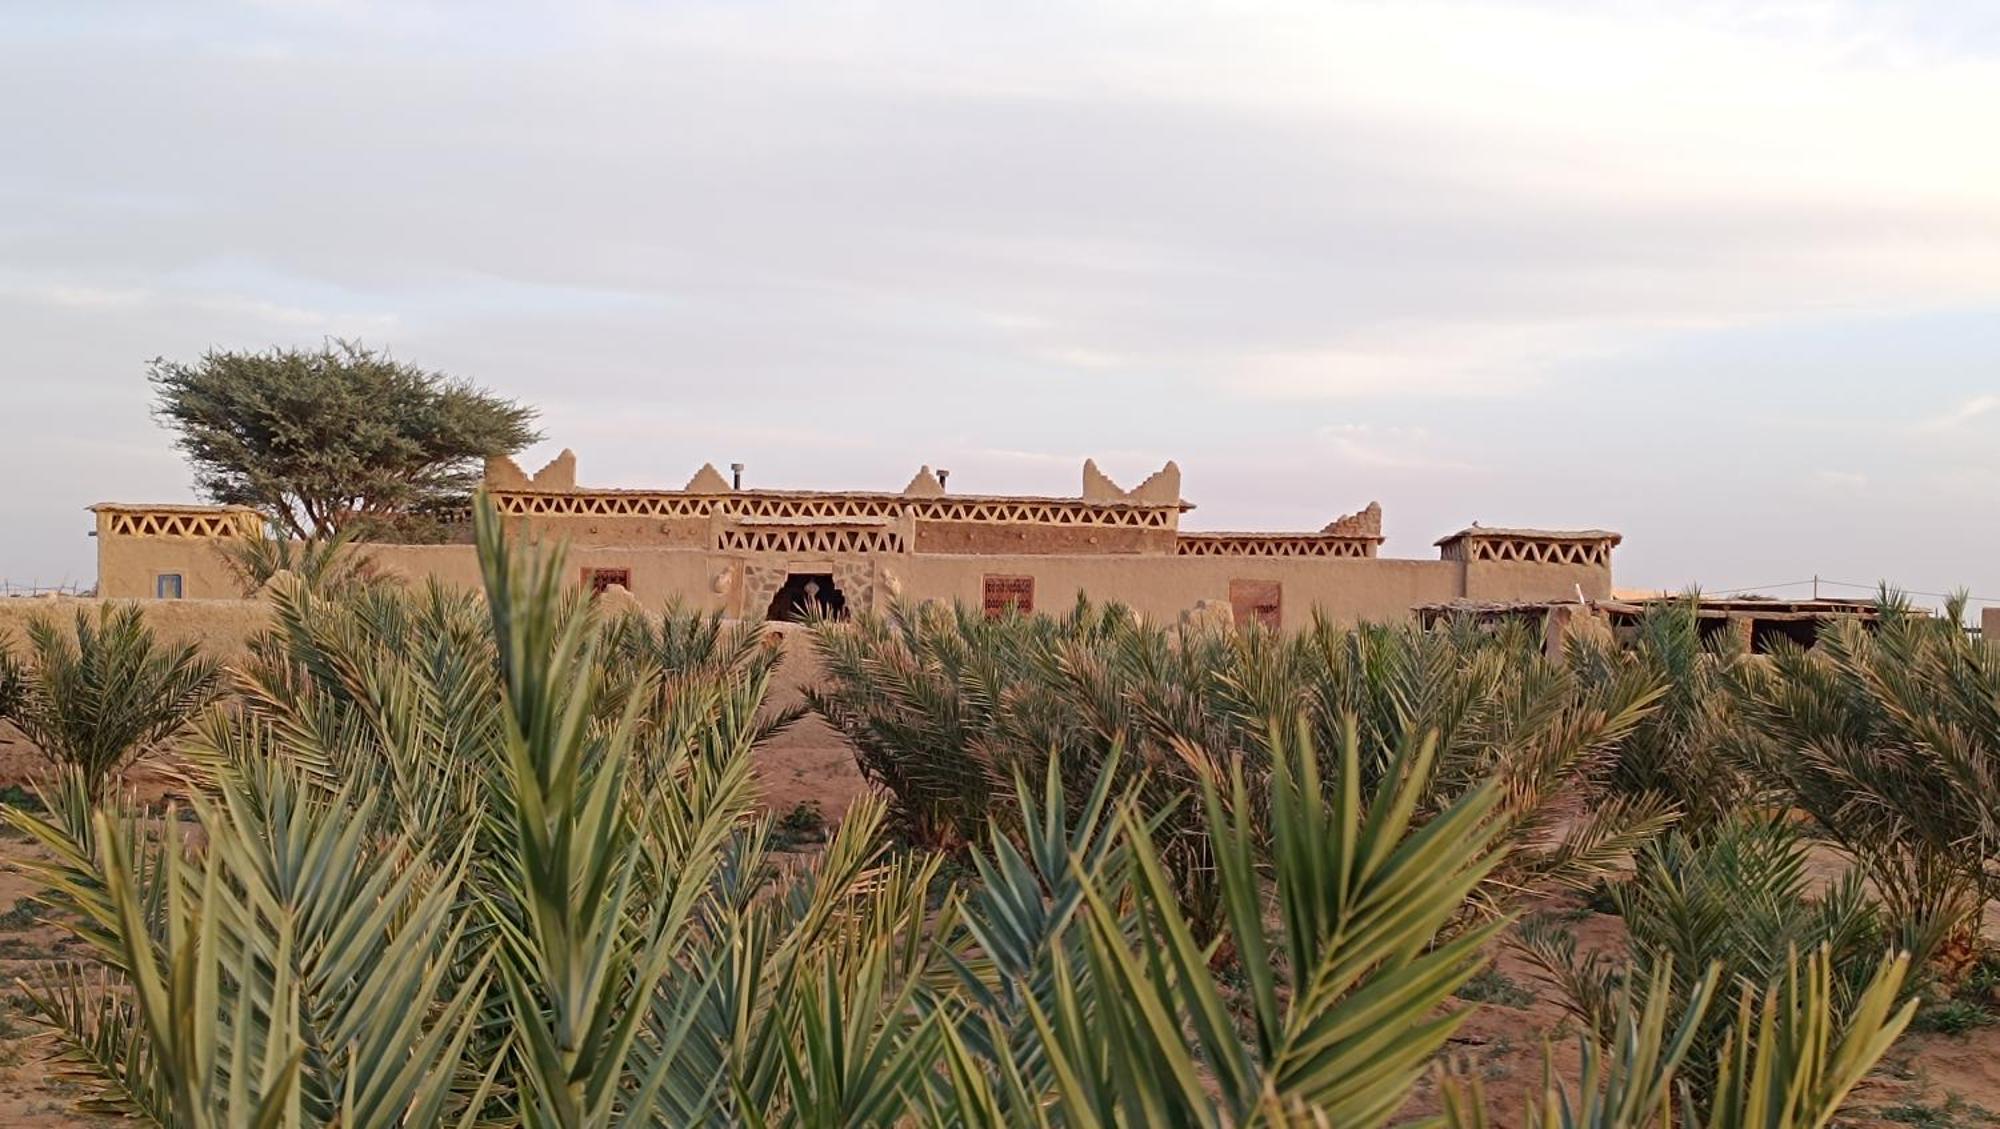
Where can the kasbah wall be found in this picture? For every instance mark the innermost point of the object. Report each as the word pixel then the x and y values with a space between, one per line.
pixel 714 545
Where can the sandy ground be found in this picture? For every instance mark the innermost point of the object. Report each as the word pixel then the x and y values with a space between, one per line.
pixel 1928 1081
pixel 808 763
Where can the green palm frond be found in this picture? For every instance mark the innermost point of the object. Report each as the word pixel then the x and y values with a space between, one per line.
pixel 104 691
pixel 1791 1055
pixel 1342 986
pixel 1734 901
pixel 327 563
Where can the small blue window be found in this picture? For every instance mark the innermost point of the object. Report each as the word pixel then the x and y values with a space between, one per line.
pixel 167 586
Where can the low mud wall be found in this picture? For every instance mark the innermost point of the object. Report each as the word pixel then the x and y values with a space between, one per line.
pixel 810 763
pixel 221 628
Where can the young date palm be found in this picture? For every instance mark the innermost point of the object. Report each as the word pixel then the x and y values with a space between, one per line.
pixel 13 682
pixel 93 699
pixel 1889 740
pixel 943 706
pixel 1734 900
pixel 291 970
pixel 1792 1054
pixel 328 563
pixel 1678 752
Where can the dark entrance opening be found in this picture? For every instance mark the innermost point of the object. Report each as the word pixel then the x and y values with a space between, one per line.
pixel 598 579
pixel 1765 632
pixel 803 590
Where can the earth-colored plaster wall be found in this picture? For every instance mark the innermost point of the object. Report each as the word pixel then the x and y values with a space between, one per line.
pixel 128 566
pixel 1518 580
pixel 657 574
pixel 1158 587
pixel 1155 584
pixel 222 628
pixel 602 529
pixel 988 537
pixel 1164 587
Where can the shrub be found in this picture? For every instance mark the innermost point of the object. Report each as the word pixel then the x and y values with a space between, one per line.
pixel 503 965
pixel 1792 1056
pixel 803 825
pixel 1952 1016
pixel 1491 986
pixel 25 913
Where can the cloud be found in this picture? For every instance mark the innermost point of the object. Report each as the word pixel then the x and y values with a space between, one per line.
pixel 840 240
pixel 1415 360
pixel 1957 417
pixel 80 297
pixel 111 300
pixel 1389 448
pixel 1072 356
pixel 296 317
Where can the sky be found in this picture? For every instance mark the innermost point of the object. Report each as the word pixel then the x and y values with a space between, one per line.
pixel 1723 277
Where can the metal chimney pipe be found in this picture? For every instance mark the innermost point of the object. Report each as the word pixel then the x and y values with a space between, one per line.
pixel 736 476
pixel 942 475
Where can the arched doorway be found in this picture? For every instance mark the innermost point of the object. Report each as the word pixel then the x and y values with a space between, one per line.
pixel 803 590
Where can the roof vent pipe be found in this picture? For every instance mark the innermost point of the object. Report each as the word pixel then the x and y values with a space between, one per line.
pixel 736 476
pixel 942 475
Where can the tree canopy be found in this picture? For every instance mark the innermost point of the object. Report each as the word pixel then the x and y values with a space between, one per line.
pixel 338 438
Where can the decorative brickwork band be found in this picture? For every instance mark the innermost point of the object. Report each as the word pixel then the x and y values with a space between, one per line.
pixel 1274 545
pixel 180 523
pixel 602 505
pixel 832 507
pixel 1590 547
pixel 815 540
pixel 1000 511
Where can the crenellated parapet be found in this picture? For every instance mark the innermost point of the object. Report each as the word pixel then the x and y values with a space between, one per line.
pixel 711 513
pixel 1362 524
pixel 1161 488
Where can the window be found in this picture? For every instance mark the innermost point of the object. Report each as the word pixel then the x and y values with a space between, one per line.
pixel 1261 602
pixel 1005 593
pixel 598 579
pixel 167 586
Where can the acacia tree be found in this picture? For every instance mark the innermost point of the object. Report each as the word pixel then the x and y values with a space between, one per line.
pixel 341 437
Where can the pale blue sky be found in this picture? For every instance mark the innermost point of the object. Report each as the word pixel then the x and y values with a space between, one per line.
pixel 1725 277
